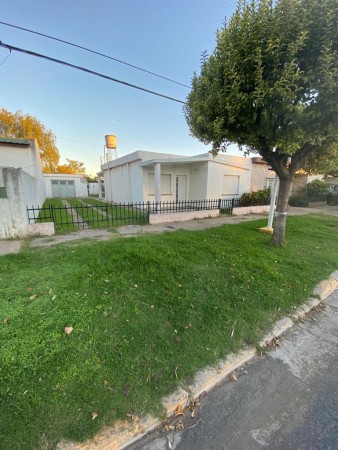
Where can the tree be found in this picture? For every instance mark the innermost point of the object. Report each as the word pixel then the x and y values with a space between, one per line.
pixel 271 86
pixel 25 126
pixel 323 163
pixel 91 178
pixel 72 166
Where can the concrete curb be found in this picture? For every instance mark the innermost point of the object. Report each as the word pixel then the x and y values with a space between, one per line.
pixel 125 433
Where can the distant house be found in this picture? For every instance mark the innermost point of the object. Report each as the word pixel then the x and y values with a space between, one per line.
pixel 149 176
pixel 65 185
pixel 21 185
pixel 301 179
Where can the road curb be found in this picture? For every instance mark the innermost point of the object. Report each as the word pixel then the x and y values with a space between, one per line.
pixel 124 433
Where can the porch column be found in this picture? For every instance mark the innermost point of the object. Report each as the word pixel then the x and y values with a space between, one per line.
pixel 157 181
pixel 100 187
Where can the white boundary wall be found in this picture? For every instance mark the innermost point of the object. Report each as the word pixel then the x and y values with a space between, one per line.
pixel 261 209
pixel 22 190
pixel 181 216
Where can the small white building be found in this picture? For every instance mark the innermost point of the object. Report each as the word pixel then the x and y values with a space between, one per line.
pixel 65 185
pixel 21 185
pixel 148 176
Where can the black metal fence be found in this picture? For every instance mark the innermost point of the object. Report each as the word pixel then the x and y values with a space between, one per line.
pixel 78 214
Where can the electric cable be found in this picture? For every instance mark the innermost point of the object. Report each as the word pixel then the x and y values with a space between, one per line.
pixel 84 69
pixel 93 51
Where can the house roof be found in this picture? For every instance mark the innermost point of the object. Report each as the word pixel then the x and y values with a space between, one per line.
pixel 150 158
pixel 15 141
pixel 64 175
pixel 228 160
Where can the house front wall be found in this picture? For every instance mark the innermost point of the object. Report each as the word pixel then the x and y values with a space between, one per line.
pixel 228 181
pixel 124 183
pixel 262 177
pixel 76 188
pixel 170 173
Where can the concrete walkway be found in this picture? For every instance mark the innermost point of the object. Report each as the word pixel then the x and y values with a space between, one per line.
pixel 14 246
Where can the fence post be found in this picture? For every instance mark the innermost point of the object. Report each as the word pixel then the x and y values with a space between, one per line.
pixel 219 203
pixel 52 215
pixel 107 215
pixel 148 210
pixel 232 205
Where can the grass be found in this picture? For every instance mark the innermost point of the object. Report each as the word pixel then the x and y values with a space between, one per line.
pixel 143 310
pixel 62 219
pixel 102 215
pixel 93 216
pixel 120 215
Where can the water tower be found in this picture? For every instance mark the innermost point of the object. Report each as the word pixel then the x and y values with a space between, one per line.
pixel 110 146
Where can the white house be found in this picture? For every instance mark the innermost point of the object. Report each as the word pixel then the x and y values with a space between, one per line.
pixel 65 185
pixel 21 185
pixel 149 176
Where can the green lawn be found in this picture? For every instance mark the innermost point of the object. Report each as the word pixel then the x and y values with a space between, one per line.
pixel 61 217
pixel 143 310
pixel 120 215
pixel 94 217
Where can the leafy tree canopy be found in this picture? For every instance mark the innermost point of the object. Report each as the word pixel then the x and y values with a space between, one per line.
pixel 25 126
pixel 72 167
pixel 271 86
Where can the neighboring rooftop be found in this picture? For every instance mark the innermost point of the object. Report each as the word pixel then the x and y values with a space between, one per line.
pixel 15 141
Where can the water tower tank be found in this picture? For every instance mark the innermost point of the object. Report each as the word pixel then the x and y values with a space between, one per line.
pixel 110 141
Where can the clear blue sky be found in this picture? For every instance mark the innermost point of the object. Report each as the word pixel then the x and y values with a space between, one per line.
pixel 163 36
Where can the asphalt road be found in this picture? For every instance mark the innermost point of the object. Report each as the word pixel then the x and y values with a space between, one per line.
pixel 285 400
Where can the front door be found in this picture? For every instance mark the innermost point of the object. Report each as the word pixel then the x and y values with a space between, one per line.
pixel 181 187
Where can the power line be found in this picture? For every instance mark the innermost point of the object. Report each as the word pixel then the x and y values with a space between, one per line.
pixel 95 52
pixel 83 69
pixel 80 142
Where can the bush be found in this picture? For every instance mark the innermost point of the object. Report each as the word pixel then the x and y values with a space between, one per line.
pixel 315 190
pixel 332 199
pixel 255 198
pixel 297 201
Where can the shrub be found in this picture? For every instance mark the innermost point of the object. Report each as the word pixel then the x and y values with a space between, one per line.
pixel 315 190
pixel 297 201
pixel 255 198
pixel 332 199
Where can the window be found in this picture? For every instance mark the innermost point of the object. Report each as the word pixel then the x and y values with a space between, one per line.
pixel 230 184
pixel 165 184
pixel 269 183
pixel 3 192
pixel 71 183
pixel 55 182
pixel 63 182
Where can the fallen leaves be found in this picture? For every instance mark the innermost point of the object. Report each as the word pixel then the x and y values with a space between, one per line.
pixel 179 410
pixel 233 377
pixel 179 426
pixel 94 415
pixel 68 330
pixel 32 297
pixel 6 320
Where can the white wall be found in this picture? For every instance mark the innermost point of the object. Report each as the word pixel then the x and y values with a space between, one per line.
pixel 79 181
pixel 123 183
pixel 260 175
pixel 21 175
pixel 34 193
pixel 217 186
pixel 169 169
pixel 199 181
pixel 93 188
pixel 13 211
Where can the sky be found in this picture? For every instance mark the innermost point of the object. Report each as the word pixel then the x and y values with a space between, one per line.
pixel 162 36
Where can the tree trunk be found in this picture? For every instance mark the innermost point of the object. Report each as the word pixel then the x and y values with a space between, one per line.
pixel 278 237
